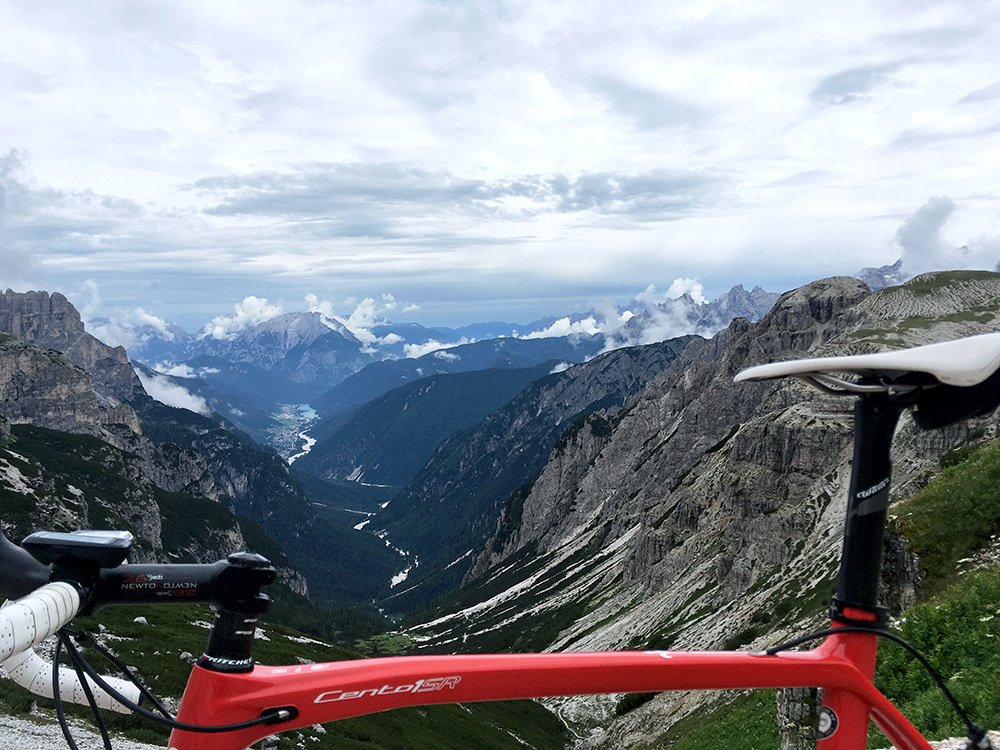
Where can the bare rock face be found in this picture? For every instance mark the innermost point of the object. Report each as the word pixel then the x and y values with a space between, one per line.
pixel 45 388
pixel 707 514
pixel 51 322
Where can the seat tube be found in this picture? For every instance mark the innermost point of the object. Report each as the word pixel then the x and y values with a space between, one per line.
pixel 844 723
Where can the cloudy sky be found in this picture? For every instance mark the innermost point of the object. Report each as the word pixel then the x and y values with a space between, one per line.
pixel 487 160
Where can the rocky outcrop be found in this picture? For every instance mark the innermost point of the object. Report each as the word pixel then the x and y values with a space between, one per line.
pixel 43 387
pixel 51 322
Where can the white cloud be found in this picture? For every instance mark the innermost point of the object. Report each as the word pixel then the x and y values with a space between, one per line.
pixel 413 351
pixel 667 320
pixel 129 329
pixel 530 151
pixel 112 333
pixel 176 371
pixel 691 287
pixel 251 311
pixel 170 393
pixel 184 370
pixel 678 288
pixel 89 300
pixel 158 324
pixel 919 237
pixel 118 328
pixel 366 315
pixel 566 327
pixel 323 307
pixel 923 246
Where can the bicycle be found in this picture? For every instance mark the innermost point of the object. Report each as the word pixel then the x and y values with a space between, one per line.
pixel 231 702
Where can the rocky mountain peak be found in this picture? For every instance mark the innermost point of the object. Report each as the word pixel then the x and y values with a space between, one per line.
pixel 51 322
pixel 38 316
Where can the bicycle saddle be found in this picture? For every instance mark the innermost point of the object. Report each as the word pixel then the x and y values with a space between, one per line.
pixel 963 362
pixel 943 383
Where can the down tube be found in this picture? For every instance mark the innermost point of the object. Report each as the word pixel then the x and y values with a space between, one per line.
pixel 337 690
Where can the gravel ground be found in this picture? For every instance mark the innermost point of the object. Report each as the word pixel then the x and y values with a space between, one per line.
pixel 24 734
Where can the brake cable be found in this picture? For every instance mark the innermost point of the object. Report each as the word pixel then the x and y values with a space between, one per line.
pixel 271 716
pixel 975 733
pixel 88 641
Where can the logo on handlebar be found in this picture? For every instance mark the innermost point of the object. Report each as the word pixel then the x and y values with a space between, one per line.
pixel 156 583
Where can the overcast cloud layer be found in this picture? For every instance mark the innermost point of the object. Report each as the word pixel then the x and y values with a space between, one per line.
pixel 483 160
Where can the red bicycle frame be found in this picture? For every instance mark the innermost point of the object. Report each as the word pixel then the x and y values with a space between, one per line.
pixel 842 665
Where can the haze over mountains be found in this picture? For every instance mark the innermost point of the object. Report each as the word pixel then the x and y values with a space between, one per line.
pixel 264 355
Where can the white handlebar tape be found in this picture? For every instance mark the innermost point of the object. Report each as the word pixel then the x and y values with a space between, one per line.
pixel 34 674
pixel 35 617
pixel 31 620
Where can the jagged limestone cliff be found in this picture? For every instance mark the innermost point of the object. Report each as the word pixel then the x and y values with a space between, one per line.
pixel 51 322
pixel 707 514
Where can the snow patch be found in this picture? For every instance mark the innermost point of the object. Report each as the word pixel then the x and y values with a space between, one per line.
pixel 15 479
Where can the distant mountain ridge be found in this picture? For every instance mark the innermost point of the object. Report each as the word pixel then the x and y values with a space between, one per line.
pixel 507 353
pixel 295 357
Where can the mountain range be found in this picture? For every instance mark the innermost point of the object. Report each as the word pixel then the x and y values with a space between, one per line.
pixel 244 369
pixel 584 491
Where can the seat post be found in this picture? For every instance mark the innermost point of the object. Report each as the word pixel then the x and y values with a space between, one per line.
pixel 875 419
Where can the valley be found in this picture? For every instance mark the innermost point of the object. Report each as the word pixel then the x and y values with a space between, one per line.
pixel 289 438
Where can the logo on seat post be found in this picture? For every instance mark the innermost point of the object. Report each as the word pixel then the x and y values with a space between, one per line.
pixel 828 723
pixel 873 499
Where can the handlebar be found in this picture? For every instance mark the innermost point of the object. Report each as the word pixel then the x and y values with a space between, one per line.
pixel 81 585
pixel 34 618
pixel 29 621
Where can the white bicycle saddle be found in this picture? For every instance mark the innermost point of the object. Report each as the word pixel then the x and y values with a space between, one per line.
pixel 962 362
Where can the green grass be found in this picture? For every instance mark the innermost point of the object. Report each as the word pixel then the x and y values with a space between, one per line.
pixel 749 722
pixel 959 633
pixel 955 514
pixel 931 283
